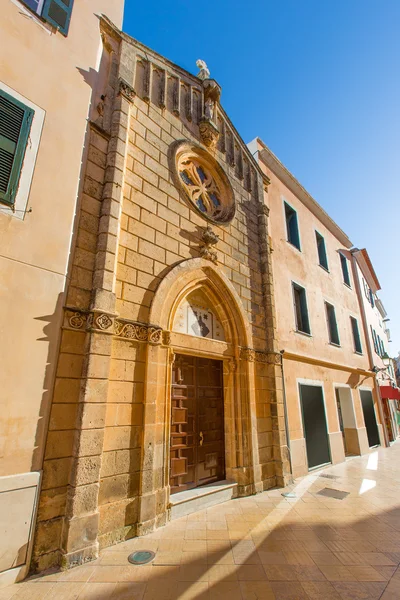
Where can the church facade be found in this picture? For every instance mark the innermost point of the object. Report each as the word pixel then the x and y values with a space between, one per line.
pixel 169 375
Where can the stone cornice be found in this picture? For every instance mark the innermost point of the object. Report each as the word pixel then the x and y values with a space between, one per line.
pixel 327 364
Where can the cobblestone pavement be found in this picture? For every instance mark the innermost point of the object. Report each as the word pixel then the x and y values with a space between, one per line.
pixel 265 547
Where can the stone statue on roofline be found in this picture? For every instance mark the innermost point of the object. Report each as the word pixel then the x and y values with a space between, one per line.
pixel 204 72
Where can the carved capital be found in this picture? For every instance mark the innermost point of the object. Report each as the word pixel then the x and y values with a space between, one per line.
pixel 126 90
pixel 166 338
pixel 209 239
pixel 209 132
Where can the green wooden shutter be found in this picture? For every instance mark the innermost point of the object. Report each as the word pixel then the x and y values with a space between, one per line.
pixel 58 13
pixel 15 125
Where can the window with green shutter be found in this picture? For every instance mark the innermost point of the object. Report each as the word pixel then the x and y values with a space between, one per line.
pixel 58 13
pixel 55 12
pixel 300 309
pixel 332 324
pixel 15 125
pixel 356 335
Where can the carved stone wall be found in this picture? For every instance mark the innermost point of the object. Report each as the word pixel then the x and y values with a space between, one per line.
pixel 105 472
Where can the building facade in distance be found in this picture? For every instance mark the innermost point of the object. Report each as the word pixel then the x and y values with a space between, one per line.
pixel 375 320
pixel 50 53
pixel 329 388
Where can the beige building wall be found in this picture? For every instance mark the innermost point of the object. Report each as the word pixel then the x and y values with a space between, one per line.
pixel 54 75
pixel 312 359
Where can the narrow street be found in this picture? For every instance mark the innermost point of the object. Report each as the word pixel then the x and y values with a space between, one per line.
pixel 265 547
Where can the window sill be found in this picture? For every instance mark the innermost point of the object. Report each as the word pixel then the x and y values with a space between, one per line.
pixel 303 333
pixel 324 268
pixel 359 353
pixel 335 345
pixel 293 245
pixel 347 285
pixel 26 11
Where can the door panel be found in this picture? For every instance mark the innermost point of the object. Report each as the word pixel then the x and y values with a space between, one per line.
pixel 370 418
pixel 315 428
pixel 197 451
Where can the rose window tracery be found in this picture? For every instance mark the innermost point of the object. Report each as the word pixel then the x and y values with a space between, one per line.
pixel 205 184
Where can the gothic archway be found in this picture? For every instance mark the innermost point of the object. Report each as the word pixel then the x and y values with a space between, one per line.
pixel 197 283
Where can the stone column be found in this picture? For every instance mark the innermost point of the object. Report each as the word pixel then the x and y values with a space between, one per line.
pixel 81 524
pixel 280 451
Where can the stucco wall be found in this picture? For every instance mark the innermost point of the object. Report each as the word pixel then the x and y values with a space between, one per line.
pixel 55 73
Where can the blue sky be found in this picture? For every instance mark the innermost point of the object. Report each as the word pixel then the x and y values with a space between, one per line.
pixel 319 82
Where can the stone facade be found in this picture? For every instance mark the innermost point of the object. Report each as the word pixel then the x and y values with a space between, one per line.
pixel 141 248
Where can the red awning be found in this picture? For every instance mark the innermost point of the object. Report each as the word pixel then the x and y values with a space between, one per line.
pixel 387 391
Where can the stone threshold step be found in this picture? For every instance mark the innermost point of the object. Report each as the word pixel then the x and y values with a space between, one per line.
pixel 190 501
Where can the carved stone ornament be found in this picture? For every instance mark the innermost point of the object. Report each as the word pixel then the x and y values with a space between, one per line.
pixel 126 90
pixel 204 72
pixel 209 239
pixel 209 132
pixel 166 337
pixel 204 182
pixel 77 320
pixel 137 331
pixel 103 321
pixel 271 358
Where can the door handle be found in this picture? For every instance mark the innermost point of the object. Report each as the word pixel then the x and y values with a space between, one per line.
pixel 201 438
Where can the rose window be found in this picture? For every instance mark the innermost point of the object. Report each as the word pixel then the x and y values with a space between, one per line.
pixel 205 184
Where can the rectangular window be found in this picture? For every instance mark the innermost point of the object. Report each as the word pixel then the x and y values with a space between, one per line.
pixel 374 339
pixel 300 309
pixel 371 297
pixel 356 335
pixel 292 226
pixel 332 324
pixel 323 260
pixel 345 269
pixel 55 12
pixel 15 125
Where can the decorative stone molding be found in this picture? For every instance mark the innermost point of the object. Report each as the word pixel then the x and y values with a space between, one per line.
pixel 95 320
pixel 208 132
pixel 137 331
pixel 166 338
pixel 126 90
pixel 209 239
pixel 232 364
pixel 271 358
pixel 203 181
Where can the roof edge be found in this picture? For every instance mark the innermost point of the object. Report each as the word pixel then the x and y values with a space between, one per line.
pixel 273 162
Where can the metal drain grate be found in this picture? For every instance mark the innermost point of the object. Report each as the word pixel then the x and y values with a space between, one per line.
pixel 141 557
pixel 331 493
pixel 327 476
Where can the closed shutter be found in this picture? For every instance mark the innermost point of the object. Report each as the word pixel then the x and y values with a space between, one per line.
pixel 15 124
pixel 58 13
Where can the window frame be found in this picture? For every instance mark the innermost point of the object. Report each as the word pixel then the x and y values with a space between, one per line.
pixel 42 11
pixel 9 196
pixel 344 261
pixel 286 206
pixel 18 210
pixel 302 309
pixel 328 306
pixel 321 239
pixel 354 321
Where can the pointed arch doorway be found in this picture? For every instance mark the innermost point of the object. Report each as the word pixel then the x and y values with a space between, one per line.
pixel 197 438
pixel 212 344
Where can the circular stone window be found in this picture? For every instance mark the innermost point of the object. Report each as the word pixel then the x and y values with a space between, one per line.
pixel 205 184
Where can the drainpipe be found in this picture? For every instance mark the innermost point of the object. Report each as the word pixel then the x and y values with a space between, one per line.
pixel 368 343
pixel 285 413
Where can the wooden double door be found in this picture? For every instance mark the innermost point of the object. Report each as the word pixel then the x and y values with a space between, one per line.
pixel 197 449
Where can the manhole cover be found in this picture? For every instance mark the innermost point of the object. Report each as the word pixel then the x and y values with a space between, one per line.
pixel 331 493
pixel 141 557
